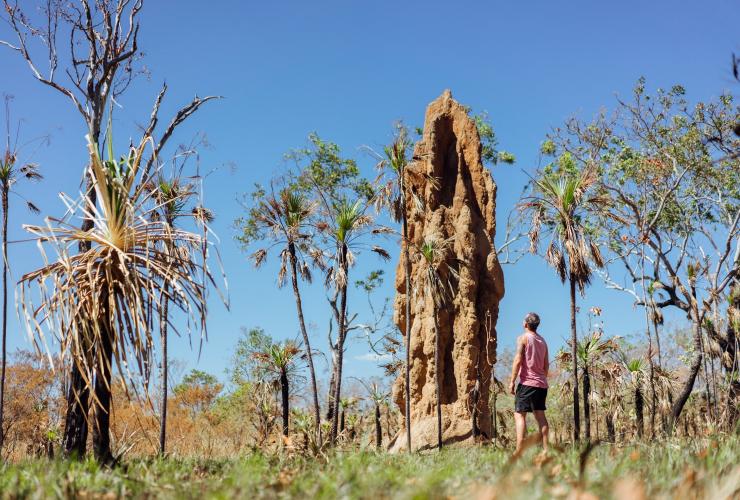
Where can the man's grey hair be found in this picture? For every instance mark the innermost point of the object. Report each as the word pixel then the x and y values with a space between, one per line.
pixel 532 320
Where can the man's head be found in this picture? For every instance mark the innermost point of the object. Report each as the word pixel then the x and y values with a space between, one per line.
pixel 531 321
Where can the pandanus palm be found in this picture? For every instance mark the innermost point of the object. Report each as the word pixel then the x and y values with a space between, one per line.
pixel 283 220
pixel 591 353
pixel 636 372
pixel 10 174
pixel 395 195
pixel 171 197
pixel 344 224
pixel 279 360
pixel 378 397
pixel 101 302
pixel 436 285
pixel 559 206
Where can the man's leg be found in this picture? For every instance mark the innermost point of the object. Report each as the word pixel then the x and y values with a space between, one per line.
pixel 539 415
pixel 520 421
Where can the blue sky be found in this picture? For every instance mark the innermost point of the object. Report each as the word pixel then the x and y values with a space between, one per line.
pixel 348 70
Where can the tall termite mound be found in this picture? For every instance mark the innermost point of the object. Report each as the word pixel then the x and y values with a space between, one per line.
pixel 451 196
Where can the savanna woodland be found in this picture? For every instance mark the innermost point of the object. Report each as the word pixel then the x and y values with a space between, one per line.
pixel 207 297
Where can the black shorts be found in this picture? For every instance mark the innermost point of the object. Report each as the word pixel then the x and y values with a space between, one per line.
pixel 529 399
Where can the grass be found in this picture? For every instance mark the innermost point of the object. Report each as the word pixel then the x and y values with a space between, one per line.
pixel 706 468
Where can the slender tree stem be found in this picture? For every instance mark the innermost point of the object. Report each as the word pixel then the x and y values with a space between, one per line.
pixel 306 340
pixel 165 390
pixel 407 306
pixel 437 376
pixel 5 189
pixel 574 354
pixel 340 343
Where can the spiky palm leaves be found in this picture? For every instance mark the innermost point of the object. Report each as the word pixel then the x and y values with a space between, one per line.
pixel 100 303
pixel 559 205
pixel 282 220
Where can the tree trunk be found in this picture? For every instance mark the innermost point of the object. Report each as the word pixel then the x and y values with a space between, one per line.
pixel 494 422
pixel 285 391
pixel 707 392
pixel 610 427
pixel 340 344
pixel 574 354
pixel 74 441
pixel 638 411
pixel 437 380
pixel 378 429
pixel 163 404
pixel 688 385
pixel 587 403
pixel 5 189
pixel 332 386
pixel 407 305
pixel 103 385
pixel 306 341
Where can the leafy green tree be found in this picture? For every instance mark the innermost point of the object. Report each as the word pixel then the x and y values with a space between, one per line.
pixel 490 153
pixel 344 226
pixel 561 201
pixel 672 172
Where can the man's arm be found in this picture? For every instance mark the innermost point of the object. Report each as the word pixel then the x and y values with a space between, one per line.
pixel 517 363
pixel 547 361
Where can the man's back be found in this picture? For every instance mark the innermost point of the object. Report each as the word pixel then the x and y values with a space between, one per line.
pixel 533 371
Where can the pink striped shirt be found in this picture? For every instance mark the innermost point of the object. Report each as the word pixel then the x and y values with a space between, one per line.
pixel 532 368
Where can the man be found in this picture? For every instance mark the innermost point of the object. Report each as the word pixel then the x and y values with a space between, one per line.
pixel 531 365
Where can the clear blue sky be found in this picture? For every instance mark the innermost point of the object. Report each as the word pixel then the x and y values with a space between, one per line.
pixel 348 70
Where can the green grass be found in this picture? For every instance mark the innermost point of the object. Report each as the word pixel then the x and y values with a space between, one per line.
pixel 671 468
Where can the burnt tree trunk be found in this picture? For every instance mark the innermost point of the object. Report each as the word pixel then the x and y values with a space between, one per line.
pixel 285 392
pixel 163 404
pixel 639 403
pixel 378 429
pixel 340 344
pixel 306 340
pixel 574 355
pixel 5 190
pixel 587 403
pixel 609 418
pixel 103 385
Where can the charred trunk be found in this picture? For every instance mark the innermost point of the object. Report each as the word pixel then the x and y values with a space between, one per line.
pixel 587 403
pixel 103 393
pixel 378 429
pixel 574 355
pixel 285 392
